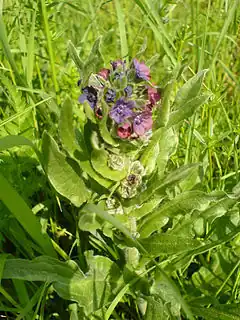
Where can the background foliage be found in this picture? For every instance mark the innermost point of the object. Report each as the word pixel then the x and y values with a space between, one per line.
pixel 53 264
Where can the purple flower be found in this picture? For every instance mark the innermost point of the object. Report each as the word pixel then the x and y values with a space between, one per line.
pixel 89 95
pixel 142 123
pixel 122 110
pixel 142 71
pixel 110 95
pixel 128 90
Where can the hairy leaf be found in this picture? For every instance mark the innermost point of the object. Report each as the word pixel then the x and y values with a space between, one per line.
pixel 61 174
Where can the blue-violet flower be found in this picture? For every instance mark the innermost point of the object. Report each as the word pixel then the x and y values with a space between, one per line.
pixel 110 95
pixel 122 110
pixel 128 90
pixel 89 95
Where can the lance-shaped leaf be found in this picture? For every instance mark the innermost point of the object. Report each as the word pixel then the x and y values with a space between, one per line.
pixel 168 244
pixel 75 57
pixel 61 174
pixel 220 312
pixel 182 204
pixel 189 90
pixel 66 130
pixel 159 186
pixel 103 127
pixel 187 110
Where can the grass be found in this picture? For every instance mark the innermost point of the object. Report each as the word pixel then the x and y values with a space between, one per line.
pixel 80 257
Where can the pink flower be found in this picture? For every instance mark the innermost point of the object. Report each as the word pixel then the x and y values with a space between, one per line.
pixel 124 131
pixel 153 95
pixel 142 71
pixel 104 73
pixel 142 123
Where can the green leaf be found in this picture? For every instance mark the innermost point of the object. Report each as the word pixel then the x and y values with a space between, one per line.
pixel 14 141
pixel 221 312
pixel 163 289
pixel 25 216
pixel 94 61
pixel 89 112
pixel 187 110
pixel 91 291
pixel 143 210
pixel 168 244
pixel 103 127
pixel 99 160
pixel 122 28
pixel 167 146
pixel 182 204
pixel 186 257
pixel 61 174
pixel 75 57
pixel 189 90
pixel 86 166
pixel 155 309
pixel 157 185
pixel 66 130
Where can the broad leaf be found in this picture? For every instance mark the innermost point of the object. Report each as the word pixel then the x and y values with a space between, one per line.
pixel 187 110
pixel 165 291
pixel 159 186
pixel 220 312
pixel 14 141
pixel 189 90
pixel 165 244
pixel 182 204
pixel 61 174
pixel 66 130
pixel 90 291
pixel 155 309
pixel 167 146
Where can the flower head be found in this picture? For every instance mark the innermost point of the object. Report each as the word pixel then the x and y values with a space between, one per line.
pixel 89 95
pixel 153 95
pixel 122 110
pixel 124 131
pixel 142 123
pixel 110 95
pixel 142 71
pixel 104 73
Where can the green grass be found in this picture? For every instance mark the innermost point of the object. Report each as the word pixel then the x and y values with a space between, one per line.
pixel 60 258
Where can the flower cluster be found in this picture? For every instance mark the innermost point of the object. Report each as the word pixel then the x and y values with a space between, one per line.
pixel 129 95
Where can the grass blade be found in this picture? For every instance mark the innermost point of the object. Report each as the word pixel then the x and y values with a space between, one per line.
pixel 224 30
pixel 49 44
pixel 122 30
pixel 24 215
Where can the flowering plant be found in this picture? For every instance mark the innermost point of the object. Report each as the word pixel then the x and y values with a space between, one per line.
pixel 114 167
